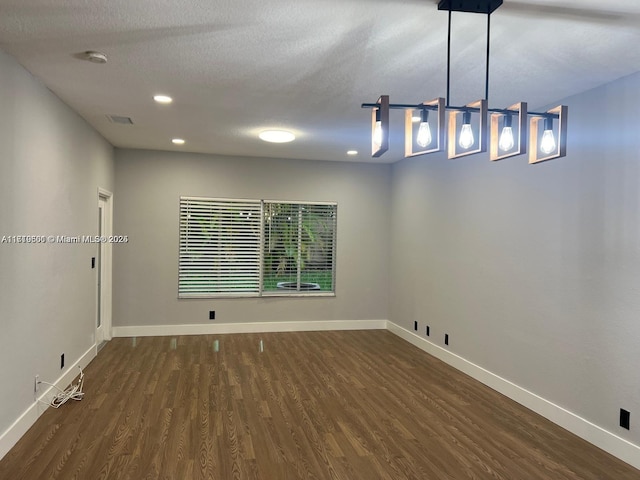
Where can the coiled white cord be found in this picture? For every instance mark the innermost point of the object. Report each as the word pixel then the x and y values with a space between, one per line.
pixel 73 392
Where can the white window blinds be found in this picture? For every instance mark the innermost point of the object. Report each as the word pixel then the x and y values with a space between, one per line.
pixel 220 249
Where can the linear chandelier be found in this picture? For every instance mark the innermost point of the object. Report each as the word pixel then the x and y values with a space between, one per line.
pixel 474 127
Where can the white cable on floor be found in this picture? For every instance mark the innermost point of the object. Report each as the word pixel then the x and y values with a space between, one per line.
pixel 73 392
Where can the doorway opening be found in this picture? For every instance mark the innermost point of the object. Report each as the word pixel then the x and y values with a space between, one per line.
pixel 103 266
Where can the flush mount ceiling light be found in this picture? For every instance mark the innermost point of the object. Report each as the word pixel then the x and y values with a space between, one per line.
pixel 177 141
pixel 162 99
pixel 469 130
pixel 276 136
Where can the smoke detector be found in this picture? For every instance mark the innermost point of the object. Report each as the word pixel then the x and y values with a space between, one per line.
pixel 95 57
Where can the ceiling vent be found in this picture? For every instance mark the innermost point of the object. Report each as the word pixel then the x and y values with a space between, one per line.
pixel 120 119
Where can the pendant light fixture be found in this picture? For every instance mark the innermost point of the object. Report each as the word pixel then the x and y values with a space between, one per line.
pixel 380 126
pixel 508 132
pixel 469 130
pixel 552 143
pixel 462 140
pixel 429 136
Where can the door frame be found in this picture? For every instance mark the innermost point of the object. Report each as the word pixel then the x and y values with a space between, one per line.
pixel 105 267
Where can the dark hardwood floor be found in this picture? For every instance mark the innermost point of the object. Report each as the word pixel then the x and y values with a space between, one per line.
pixel 317 405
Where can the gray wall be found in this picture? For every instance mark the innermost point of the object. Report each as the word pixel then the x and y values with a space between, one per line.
pixel 51 165
pixel 533 271
pixel 149 184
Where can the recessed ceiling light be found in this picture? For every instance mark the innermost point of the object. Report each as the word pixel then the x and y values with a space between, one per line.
pixel 277 136
pixel 162 99
pixel 178 141
pixel 352 152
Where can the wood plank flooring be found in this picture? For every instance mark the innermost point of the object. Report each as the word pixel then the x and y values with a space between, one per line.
pixel 314 405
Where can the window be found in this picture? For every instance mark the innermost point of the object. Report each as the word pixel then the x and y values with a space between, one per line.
pixel 253 248
pixel 299 241
pixel 219 247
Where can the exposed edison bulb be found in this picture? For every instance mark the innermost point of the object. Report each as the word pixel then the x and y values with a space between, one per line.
pixel 506 142
pixel 377 134
pixel 466 134
pixel 424 134
pixel 377 130
pixel 424 130
pixel 548 143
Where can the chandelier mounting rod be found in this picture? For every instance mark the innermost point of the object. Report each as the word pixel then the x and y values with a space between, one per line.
pixel 486 81
pixel 470 6
pixel 449 60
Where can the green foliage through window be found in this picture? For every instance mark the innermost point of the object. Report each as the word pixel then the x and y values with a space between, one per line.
pixel 299 246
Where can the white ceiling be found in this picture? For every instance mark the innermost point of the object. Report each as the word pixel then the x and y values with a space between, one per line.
pixel 236 67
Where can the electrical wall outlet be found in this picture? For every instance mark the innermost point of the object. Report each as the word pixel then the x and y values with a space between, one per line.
pixel 625 417
pixel 36 384
pixel 212 314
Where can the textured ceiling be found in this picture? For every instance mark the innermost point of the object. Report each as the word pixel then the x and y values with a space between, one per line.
pixel 235 67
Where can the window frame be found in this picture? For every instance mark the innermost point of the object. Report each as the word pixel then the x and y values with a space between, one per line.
pixel 260 258
pixel 303 293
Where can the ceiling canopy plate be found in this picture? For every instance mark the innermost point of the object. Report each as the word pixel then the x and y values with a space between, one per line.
pixel 470 6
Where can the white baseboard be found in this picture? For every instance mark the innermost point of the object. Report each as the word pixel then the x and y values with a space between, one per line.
pixel 251 327
pixel 607 441
pixel 11 436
